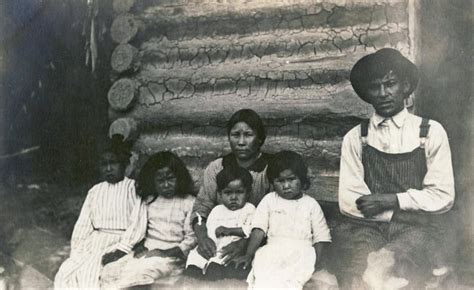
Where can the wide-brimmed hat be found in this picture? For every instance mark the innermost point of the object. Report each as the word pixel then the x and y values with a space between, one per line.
pixel 377 65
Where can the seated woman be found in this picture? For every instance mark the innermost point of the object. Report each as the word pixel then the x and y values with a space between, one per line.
pixel 246 135
pixel 102 223
pixel 166 189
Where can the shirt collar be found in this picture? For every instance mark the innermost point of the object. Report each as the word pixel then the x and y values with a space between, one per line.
pixel 397 119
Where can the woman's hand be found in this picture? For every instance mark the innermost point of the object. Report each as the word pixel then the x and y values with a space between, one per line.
pixel 206 248
pixel 234 250
pixel 112 257
pixel 245 261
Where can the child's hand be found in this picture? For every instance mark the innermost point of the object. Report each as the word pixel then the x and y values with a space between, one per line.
pixel 222 231
pixel 245 261
pixel 112 257
pixel 154 253
pixel 140 251
pixel 173 252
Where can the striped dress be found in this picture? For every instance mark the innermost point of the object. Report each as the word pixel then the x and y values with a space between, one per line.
pixel 101 227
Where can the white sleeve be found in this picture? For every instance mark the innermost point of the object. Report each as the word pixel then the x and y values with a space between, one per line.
pixel 248 216
pixel 261 217
pixel 189 240
pixel 437 194
pixel 319 226
pixel 83 227
pixel 211 223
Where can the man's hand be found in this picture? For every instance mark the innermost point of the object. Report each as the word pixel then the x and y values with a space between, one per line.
pixel 234 250
pixel 112 257
pixel 373 204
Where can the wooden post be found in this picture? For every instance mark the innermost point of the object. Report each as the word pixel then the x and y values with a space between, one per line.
pixel 124 28
pixel 124 58
pixel 122 94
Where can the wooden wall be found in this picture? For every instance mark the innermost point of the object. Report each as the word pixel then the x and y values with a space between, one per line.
pixel 181 68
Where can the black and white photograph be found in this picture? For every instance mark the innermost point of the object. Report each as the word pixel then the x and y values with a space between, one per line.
pixel 236 144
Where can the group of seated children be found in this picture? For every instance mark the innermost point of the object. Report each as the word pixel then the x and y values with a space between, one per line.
pixel 286 231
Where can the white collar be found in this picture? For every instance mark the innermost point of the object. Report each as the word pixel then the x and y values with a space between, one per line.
pixel 398 119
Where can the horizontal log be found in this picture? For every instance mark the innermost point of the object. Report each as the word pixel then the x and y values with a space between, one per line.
pixel 322 68
pixel 122 94
pixel 180 22
pixel 310 128
pixel 125 58
pixel 205 7
pixel 280 46
pixel 278 101
pixel 230 75
pixel 123 28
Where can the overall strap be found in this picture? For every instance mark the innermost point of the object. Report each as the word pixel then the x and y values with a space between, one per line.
pixel 364 130
pixel 424 128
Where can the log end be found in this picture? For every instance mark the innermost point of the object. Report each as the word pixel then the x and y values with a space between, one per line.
pixel 126 127
pixel 124 58
pixel 123 6
pixel 122 94
pixel 124 28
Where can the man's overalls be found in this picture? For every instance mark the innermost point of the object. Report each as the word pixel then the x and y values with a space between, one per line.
pixel 408 233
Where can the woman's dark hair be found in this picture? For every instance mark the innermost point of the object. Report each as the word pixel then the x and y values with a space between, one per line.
pixel 229 174
pixel 251 118
pixel 120 148
pixel 145 180
pixel 291 160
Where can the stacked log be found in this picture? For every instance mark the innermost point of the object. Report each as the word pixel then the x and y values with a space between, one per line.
pixel 198 61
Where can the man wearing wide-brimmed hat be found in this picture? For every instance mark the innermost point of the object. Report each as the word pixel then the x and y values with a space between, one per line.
pixel 395 177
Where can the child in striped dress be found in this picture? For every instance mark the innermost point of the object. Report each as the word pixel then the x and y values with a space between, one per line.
pixel 294 225
pixel 102 223
pixel 166 187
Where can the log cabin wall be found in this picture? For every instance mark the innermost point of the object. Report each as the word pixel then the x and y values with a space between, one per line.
pixel 181 68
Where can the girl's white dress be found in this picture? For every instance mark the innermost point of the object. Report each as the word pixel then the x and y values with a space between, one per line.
pixel 222 216
pixel 107 212
pixel 168 225
pixel 292 227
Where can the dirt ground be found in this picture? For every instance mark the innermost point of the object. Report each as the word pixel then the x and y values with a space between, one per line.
pixel 36 221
